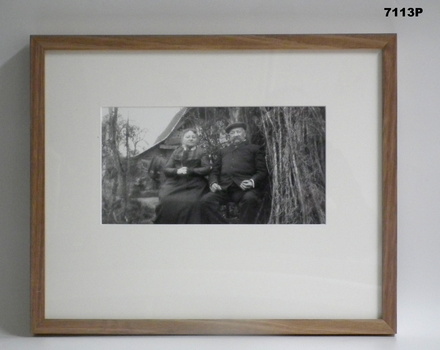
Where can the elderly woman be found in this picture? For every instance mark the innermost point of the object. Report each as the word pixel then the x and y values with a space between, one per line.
pixel 185 183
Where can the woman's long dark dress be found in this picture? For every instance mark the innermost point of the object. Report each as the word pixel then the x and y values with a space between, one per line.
pixel 179 195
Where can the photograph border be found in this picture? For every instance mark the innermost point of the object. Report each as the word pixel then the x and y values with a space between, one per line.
pixel 385 325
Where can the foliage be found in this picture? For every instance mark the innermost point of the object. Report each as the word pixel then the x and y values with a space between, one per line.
pixel 120 142
pixel 295 154
pixel 210 124
pixel 293 139
pixel 114 212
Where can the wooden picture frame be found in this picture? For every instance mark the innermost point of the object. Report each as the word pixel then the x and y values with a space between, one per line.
pixel 385 44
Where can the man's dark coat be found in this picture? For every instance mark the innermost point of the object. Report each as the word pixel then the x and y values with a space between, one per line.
pixel 238 163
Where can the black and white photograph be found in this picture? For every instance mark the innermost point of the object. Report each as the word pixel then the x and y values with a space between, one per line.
pixel 214 165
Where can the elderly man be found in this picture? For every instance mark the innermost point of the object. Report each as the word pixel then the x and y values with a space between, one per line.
pixel 238 175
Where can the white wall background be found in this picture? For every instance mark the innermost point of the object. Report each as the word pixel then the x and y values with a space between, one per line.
pixel 419 145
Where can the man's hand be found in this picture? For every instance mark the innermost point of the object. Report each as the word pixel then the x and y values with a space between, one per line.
pixel 246 185
pixel 215 187
pixel 182 171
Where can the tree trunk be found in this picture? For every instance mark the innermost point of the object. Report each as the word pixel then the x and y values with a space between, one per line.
pixel 114 146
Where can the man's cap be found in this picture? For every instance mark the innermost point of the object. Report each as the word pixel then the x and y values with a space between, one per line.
pixel 235 125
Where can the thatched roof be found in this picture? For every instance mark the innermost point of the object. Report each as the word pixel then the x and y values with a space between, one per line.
pixel 172 126
pixel 174 123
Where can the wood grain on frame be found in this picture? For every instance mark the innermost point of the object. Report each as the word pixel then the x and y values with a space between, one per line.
pixel 386 43
pixel 389 184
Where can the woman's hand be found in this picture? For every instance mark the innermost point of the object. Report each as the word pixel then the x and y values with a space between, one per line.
pixel 182 171
pixel 215 187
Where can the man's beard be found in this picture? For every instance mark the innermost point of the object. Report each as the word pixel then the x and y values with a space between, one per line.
pixel 237 140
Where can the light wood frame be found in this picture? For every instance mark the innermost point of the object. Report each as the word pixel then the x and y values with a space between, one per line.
pixel 386 325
